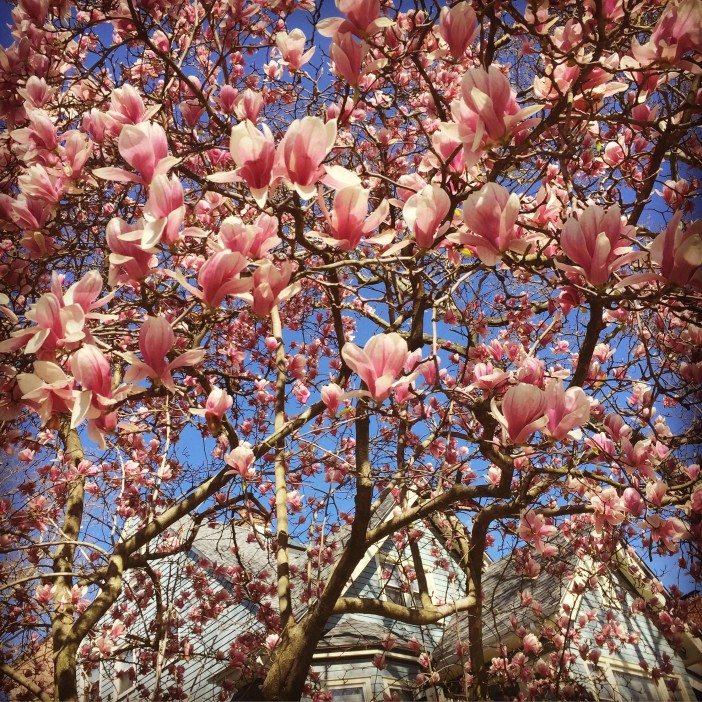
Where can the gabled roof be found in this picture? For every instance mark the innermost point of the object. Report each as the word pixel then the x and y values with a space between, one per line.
pixel 230 544
pixel 502 584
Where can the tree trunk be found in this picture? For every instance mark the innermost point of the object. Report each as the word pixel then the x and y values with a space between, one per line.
pixel 66 675
pixel 288 673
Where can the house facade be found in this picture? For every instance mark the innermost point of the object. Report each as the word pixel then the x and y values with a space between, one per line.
pixel 363 658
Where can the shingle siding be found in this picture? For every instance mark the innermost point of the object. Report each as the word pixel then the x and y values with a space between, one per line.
pixel 346 650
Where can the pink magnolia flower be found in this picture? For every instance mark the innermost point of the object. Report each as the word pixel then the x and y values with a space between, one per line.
pixel 458 27
pixel 156 340
pixel 270 286
pixel 491 215
pixel 145 148
pixel 254 154
pixel 678 31
pixel 248 105
pixel 362 18
pixel 531 370
pixel 488 112
pixel 523 408
pixel 486 377
pixel 34 142
pixel 36 92
pixel 292 49
pixel 127 107
pixel 217 404
pixel 598 242
pixel 91 369
pixel 45 594
pixel 349 220
pixel 331 396
pixel 678 252
pixel 166 201
pixel 42 183
pixel 633 502
pixel 32 214
pixel 227 98
pixel 251 240
pixel 565 409
pixel 676 192
pixel 534 529
pixel 56 326
pixel 655 492
pixel 300 154
pixel 131 246
pixel 219 277
pixel 301 393
pixel 608 508
pixel 531 645
pixel 241 459
pixel 425 212
pixel 96 124
pixel 37 10
pixel 347 57
pixel 448 147
pixel 75 151
pixel 84 292
pixel 48 390
pixel 271 641
pixel 294 500
pixel 669 532
pixel 379 364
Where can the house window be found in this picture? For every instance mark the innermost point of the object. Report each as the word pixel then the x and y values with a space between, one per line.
pixel 603 687
pixel 352 693
pixel 124 676
pixel 351 690
pixel 635 687
pixel 396 583
pixel 400 694
pixel 613 684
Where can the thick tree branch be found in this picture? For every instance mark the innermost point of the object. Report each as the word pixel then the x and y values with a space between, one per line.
pixel 391 610
pixel 25 682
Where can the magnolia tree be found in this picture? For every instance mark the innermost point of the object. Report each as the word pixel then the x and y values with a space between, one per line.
pixel 260 260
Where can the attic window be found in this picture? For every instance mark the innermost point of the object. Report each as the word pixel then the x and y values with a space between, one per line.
pixel 397 583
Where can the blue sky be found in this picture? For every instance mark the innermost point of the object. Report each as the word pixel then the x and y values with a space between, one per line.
pixel 301 20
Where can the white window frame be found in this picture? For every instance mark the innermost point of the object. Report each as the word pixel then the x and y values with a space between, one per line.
pixel 391 561
pixel 398 685
pixel 122 668
pixel 363 683
pixel 611 666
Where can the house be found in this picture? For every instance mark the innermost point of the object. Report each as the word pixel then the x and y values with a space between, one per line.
pixel 36 665
pixel 362 657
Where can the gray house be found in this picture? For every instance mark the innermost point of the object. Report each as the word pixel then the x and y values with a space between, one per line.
pixel 211 591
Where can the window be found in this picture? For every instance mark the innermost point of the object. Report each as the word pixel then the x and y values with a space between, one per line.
pixel 398 583
pixel 124 676
pixel 613 684
pixel 400 694
pixel 91 684
pixel 348 693
pixel 603 689
pixel 632 687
